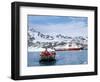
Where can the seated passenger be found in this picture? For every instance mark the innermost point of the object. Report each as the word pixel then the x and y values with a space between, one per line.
pixel 46 53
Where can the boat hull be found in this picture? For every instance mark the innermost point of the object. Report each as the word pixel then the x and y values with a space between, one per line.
pixel 47 61
pixel 68 49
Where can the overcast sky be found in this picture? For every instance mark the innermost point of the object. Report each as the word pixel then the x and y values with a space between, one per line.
pixel 66 25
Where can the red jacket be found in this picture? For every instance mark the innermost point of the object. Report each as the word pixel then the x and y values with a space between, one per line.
pixel 46 53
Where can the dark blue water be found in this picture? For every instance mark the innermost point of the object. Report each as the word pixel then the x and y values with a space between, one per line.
pixel 62 58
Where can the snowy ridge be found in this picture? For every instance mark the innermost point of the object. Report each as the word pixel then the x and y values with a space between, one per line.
pixel 37 41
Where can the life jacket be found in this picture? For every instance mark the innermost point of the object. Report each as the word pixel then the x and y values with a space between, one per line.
pixel 46 53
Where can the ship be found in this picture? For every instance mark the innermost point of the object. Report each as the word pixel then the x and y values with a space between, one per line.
pixel 69 47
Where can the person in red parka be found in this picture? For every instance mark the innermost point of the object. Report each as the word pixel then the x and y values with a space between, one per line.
pixel 46 53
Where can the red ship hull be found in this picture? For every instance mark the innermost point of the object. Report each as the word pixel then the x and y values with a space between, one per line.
pixel 68 49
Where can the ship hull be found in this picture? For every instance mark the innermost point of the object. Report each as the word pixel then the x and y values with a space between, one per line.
pixel 68 49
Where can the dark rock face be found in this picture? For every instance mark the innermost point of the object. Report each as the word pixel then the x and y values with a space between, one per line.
pixel 49 41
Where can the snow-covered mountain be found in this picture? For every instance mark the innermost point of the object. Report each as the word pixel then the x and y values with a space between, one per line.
pixel 38 40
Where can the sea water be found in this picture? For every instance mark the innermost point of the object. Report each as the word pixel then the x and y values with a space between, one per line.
pixel 62 58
